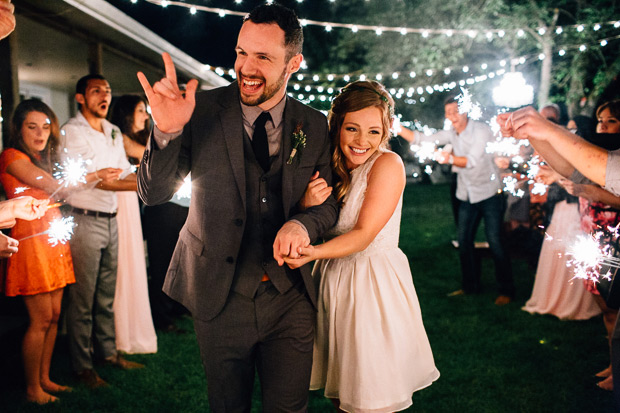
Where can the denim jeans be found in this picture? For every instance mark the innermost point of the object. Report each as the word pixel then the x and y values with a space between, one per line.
pixel 492 211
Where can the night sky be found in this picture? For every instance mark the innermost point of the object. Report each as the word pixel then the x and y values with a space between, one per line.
pixel 207 37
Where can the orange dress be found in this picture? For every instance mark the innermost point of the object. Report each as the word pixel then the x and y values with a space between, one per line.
pixel 37 267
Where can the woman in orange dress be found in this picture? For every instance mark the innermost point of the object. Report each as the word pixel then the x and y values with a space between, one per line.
pixel 39 271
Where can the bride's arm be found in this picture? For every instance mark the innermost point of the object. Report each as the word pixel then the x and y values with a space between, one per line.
pixel 386 181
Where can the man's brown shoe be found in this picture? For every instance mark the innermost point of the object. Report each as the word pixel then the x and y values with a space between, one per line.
pixel 122 363
pixel 91 379
pixel 503 300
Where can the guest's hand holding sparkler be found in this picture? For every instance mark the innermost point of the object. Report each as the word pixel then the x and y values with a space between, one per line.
pixel 502 162
pixel 547 175
pixel 444 157
pixel 526 123
pixel 8 246
pixel 106 176
pixel 23 207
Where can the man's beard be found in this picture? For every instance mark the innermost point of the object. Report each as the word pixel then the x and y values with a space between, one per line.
pixel 268 92
pixel 96 112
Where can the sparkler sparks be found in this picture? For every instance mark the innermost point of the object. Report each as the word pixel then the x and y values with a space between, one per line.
pixel 466 105
pixel 71 172
pixel 185 191
pixel 539 188
pixel 424 151
pixel 511 185
pixel 593 255
pixel 21 189
pixel 59 232
pixel 506 146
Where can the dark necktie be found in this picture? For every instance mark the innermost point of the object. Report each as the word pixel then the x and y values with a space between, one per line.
pixel 259 141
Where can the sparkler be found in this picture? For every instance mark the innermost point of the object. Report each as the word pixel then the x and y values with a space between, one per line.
pixel 506 146
pixel 466 105
pixel 185 191
pixel 71 172
pixel 591 255
pixel 424 151
pixel 511 185
pixel 59 232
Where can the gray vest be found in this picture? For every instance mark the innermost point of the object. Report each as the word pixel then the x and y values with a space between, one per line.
pixel 265 216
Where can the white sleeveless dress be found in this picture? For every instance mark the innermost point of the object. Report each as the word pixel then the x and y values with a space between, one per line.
pixel 133 322
pixel 371 350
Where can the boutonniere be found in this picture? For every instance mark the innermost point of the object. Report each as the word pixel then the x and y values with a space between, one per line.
pixel 114 132
pixel 298 140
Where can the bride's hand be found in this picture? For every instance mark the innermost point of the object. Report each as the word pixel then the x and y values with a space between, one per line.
pixel 306 254
pixel 316 193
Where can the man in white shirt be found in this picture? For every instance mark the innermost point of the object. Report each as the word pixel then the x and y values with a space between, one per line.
pixel 94 246
pixel 478 189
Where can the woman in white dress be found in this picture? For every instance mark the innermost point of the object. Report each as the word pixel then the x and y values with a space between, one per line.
pixel 135 332
pixel 371 351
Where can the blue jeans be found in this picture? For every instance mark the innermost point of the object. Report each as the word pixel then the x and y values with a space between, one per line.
pixel 492 211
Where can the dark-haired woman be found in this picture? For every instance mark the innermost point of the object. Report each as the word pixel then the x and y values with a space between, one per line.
pixel 39 271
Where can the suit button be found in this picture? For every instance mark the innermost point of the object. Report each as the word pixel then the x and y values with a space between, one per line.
pixel 229 260
pixel 238 222
pixel 263 179
pixel 263 200
pixel 145 158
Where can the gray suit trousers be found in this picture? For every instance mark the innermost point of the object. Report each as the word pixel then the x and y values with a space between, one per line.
pixel 271 334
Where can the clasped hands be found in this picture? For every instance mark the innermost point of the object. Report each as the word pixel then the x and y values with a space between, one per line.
pixel 292 246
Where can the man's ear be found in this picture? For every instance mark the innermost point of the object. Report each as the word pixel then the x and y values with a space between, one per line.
pixel 79 98
pixel 295 63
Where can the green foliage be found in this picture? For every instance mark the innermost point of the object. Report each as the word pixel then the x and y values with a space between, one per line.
pixel 365 52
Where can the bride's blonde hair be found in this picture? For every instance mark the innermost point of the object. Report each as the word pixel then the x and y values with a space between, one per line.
pixel 353 97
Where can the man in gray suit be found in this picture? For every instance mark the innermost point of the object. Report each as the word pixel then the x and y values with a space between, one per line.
pixel 251 151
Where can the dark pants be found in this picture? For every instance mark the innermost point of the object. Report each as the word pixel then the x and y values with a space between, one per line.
pixel 272 334
pixel 492 211
pixel 161 227
pixel 615 360
pixel 456 203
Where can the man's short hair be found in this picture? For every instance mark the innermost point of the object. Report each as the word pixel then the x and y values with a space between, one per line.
pixel 286 19
pixel 82 84
pixel 554 108
pixel 451 98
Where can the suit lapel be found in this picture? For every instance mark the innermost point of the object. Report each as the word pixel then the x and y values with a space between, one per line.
pixel 288 171
pixel 232 126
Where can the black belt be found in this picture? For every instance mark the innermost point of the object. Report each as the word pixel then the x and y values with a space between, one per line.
pixel 95 214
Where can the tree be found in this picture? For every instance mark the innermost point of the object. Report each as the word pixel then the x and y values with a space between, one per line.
pixel 574 78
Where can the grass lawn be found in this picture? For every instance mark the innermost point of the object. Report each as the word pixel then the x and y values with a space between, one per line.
pixel 491 359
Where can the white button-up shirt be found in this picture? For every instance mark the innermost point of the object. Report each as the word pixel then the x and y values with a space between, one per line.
pixel 103 150
pixel 480 179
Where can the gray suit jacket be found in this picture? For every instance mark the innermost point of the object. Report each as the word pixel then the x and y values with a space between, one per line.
pixel 211 147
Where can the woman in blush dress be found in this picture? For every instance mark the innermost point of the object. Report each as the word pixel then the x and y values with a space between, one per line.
pixel 135 332
pixel 39 271
pixel 371 352
pixel 600 210
pixel 555 291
